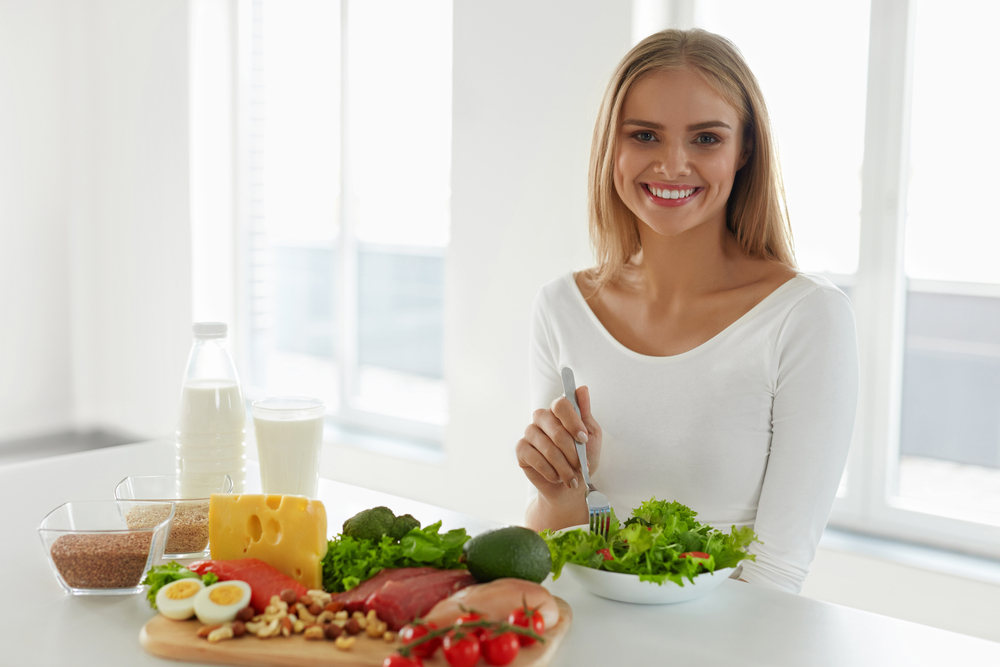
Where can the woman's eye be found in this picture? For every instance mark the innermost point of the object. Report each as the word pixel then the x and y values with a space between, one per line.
pixel 706 139
pixel 645 137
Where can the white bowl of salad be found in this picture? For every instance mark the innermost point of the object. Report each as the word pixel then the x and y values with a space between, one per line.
pixel 661 555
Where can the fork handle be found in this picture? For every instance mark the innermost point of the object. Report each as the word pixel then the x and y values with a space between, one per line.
pixel 569 388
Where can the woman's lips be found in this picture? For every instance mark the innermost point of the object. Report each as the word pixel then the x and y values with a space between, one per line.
pixel 672 195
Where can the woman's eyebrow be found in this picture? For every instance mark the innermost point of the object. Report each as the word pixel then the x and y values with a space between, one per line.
pixel 690 128
pixel 708 124
pixel 642 123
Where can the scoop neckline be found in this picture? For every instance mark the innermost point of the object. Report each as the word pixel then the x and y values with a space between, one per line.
pixel 711 342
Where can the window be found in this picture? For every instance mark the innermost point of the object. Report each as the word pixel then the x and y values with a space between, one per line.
pixel 949 446
pixel 871 104
pixel 347 124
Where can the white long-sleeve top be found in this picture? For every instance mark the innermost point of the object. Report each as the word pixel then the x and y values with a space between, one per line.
pixel 750 428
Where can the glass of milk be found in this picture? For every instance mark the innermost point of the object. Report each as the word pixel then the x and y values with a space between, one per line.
pixel 289 442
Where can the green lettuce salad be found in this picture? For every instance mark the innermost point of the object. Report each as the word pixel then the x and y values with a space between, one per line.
pixel 351 560
pixel 662 541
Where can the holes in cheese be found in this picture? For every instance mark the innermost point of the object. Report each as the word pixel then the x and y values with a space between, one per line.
pixel 254 529
pixel 273 532
pixel 286 532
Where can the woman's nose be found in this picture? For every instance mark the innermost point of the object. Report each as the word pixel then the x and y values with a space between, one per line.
pixel 672 162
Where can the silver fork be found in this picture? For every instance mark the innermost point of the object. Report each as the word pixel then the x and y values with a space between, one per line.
pixel 597 502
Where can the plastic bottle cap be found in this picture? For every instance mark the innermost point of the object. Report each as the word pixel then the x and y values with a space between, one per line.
pixel 210 329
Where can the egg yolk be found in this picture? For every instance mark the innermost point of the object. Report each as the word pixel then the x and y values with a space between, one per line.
pixel 225 595
pixel 182 590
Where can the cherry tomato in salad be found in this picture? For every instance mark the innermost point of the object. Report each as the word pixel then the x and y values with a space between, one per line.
pixel 461 649
pixel 695 554
pixel 397 660
pixel 500 649
pixel 527 618
pixel 606 553
pixel 412 632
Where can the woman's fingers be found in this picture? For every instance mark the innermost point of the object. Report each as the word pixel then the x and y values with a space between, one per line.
pixel 547 453
pixel 586 416
pixel 535 466
pixel 555 445
pixel 593 429
pixel 569 420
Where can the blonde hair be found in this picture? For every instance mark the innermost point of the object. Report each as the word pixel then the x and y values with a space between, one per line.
pixel 756 212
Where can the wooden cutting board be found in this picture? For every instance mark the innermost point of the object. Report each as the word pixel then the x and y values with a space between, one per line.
pixel 178 640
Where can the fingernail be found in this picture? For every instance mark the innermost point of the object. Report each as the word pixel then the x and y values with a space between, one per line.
pixel 559 480
pixel 573 483
pixel 581 436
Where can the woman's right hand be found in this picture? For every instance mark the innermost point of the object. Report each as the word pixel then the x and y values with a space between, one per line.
pixel 547 452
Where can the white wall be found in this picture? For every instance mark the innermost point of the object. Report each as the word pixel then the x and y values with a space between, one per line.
pixel 35 387
pixel 131 256
pixel 527 82
pixel 94 214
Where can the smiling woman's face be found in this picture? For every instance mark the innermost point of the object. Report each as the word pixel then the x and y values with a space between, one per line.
pixel 679 148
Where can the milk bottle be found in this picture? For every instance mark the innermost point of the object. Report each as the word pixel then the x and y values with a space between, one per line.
pixel 212 422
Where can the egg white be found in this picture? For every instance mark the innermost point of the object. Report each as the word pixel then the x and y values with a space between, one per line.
pixel 178 609
pixel 208 611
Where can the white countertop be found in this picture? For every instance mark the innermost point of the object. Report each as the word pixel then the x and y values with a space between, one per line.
pixel 737 624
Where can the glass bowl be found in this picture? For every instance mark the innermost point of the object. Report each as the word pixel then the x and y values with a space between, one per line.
pixel 93 551
pixel 190 493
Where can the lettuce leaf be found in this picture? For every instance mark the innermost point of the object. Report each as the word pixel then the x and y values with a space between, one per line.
pixel 650 544
pixel 350 561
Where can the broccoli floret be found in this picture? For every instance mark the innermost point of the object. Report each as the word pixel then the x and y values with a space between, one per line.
pixel 370 524
pixel 403 525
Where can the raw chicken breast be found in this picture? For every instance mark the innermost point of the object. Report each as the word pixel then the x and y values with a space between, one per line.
pixel 494 601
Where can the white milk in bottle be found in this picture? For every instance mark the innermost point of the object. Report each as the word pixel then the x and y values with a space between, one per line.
pixel 211 427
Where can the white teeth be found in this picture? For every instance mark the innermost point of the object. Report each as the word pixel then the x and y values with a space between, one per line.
pixel 671 194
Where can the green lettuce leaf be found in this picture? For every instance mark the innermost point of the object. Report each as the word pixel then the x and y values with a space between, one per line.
pixel 350 561
pixel 650 544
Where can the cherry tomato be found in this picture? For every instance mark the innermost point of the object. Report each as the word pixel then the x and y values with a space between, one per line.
pixel 695 554
pixel 527 618
pixel 470 617
pixel 606 553
pixel 411 633
pixel 501 649
pixel 461 649
pixel 396 660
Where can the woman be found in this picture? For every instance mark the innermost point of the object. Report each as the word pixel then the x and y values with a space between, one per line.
pixel 711 371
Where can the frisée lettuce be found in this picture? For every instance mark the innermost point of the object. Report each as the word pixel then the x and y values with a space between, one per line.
pixel 662 541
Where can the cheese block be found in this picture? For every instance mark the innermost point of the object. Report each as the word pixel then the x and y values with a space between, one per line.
pixel 286 532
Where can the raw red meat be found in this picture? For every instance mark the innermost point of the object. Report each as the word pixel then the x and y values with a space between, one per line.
pixel 355 598
pixel 264 580
pixel 399 602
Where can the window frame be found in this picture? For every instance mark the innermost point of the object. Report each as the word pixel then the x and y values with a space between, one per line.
pixel 879 292
pixel 348 423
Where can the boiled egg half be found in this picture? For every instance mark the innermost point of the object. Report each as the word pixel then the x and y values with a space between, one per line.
pixel 176 599
pixel 221 601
